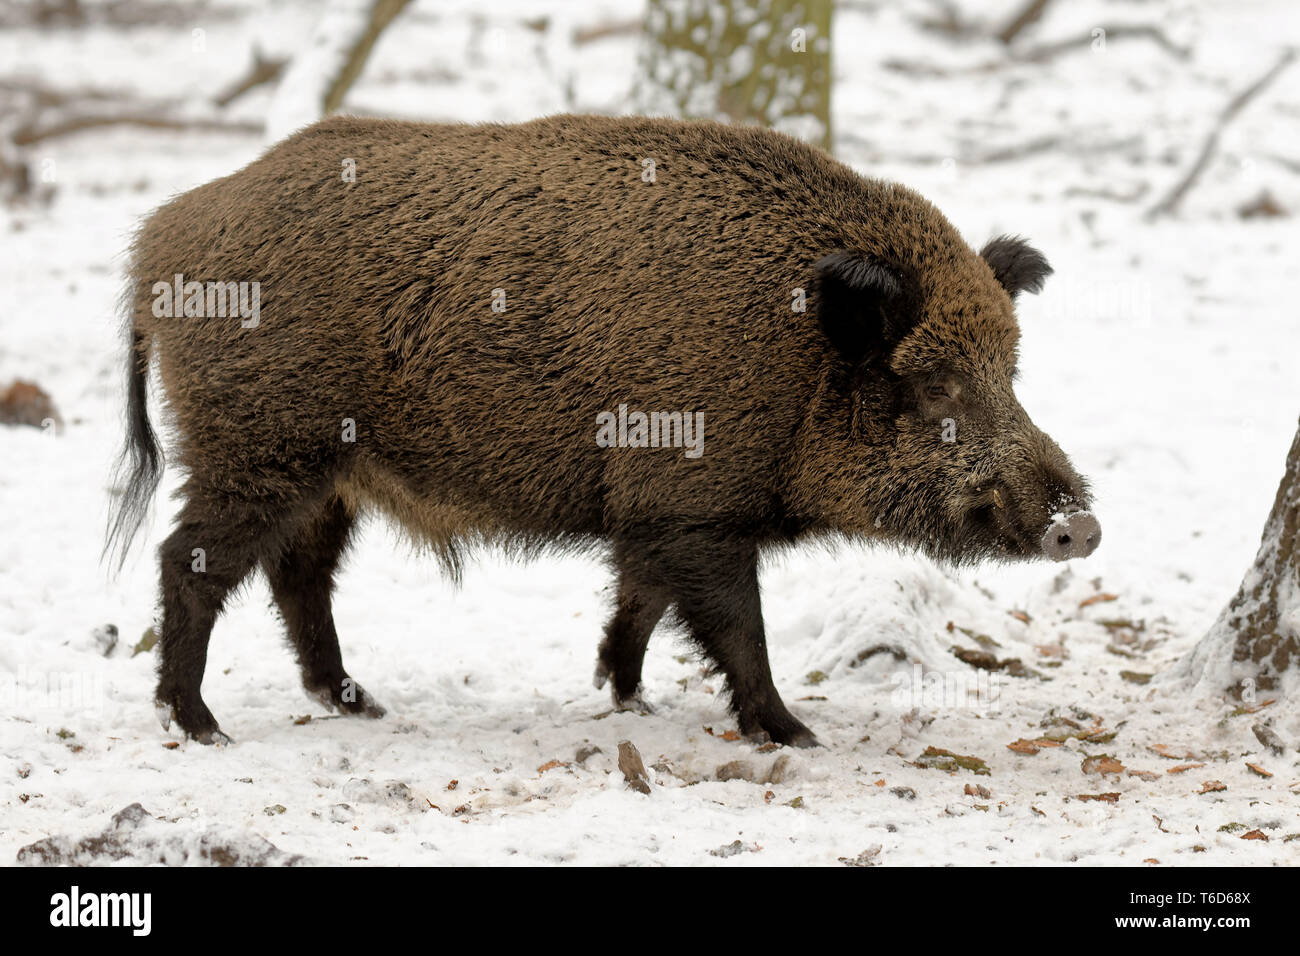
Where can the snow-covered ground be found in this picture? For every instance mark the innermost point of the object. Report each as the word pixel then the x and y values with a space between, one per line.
pixel 1162 356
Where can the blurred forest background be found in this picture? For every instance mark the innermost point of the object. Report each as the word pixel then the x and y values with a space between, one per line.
pixel 1163 85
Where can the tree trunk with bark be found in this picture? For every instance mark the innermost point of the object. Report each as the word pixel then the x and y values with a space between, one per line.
pixel 722 59
pixel 1254 646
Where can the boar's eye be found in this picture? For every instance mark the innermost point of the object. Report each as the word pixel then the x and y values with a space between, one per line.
pixel 943 389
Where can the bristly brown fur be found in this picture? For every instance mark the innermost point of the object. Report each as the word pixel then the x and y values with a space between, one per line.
pixel 474 425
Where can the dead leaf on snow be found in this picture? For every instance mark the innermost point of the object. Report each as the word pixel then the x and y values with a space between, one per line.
pixel 868 857
pixel 1258 769
pixel 1213 786
pixel 940 759
pixel 1112 797
pixel 1135 677
pixel 1098 599
pixel 1023 746
pixel 1255 835
pixel 734 848
pixel 1184 767
pixel 1102 763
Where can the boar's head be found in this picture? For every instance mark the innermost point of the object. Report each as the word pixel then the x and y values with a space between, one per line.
pixel 941 456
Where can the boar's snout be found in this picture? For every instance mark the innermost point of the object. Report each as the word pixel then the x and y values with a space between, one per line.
pixel 1071 534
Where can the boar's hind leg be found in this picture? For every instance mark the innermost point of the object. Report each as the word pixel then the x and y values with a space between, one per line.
pixel 302 581
pixel 626 636
pixel 211 551
pixel 714 583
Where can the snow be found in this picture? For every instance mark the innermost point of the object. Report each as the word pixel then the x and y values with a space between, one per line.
pixel 1161 356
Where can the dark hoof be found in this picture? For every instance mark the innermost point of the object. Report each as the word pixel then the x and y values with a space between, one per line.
pixel 633 702
pixel 214 738
pixel 781 729
pixel 802 738
pixel 346 696
pixel 622 701
pixel 193 718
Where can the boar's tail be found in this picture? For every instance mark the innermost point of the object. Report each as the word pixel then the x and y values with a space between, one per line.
pixel 140 467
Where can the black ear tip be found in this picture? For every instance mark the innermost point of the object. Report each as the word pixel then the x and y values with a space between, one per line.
pixel 1018 266
pixel 1035 285
pixel 1034 271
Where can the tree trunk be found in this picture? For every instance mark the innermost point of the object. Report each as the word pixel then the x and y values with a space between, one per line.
pixel 1255 643
pixel 719 59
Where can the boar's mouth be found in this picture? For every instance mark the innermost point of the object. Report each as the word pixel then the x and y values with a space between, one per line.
pixel 994 528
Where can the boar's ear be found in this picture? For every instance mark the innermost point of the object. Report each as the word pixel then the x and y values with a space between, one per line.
pixel 1018 265
pixel 851 290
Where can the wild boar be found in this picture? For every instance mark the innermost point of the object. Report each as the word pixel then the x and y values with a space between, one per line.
pixel 681 344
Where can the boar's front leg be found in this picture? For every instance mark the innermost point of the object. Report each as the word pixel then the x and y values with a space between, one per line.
pixel 713 580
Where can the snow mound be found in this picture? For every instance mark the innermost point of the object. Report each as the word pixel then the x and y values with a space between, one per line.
pixel 135 836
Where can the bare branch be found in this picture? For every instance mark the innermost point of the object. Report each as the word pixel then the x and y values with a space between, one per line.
pixel 1084 41
pixel 607 29
pixel 262 70
pixel 1046 51
pixel 1169 205
pixel 381 14
pixel 27 135
pixel 1027 17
